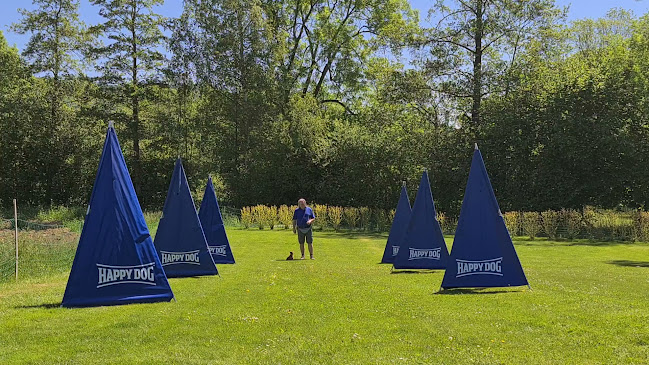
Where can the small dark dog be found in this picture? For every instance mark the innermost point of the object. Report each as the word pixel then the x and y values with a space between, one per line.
pixel 290 257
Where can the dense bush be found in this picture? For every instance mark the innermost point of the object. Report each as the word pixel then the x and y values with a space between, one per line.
pixel 246 216
pixel 351 215
pixel 381 219
pixel 550 220
pixel 335 216
pixel 320 212
pixel 446 224
pixel 641 226
pixel 285 216
pixel 572 221
pixel 514 223
pixel 259 215
pixel 531 224
pixel 364 218
pixel 271 216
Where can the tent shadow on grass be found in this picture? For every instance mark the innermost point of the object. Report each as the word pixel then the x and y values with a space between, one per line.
pixel 349 234
pixel 40 306
pixel 565 243
pixel 416 271
pixel 629 263
pixel 459 291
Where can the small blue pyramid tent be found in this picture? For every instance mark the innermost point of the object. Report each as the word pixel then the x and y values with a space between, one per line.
pixel 483 254
pixel 423 245
pixel 180 241
pixel 212 222
pixel 115 262
pixel 399 227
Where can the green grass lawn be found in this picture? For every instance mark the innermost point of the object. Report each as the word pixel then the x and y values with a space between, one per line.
pixel 589 304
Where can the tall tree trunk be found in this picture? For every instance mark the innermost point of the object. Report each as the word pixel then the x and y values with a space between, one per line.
pixel 477 64
pixel 325 71
pixel 135 105
pixel 53 161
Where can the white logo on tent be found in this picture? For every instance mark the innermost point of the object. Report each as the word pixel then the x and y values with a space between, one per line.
pixel 483 267
pixel 395 250
pixel 139 274
pixel 187 257
pixel 217 250
pixel 425 253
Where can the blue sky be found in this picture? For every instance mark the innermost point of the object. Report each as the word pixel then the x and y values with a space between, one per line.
pixel 578 9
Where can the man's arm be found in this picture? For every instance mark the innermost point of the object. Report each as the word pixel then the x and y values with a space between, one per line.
pixel 294 225
pixel 312 218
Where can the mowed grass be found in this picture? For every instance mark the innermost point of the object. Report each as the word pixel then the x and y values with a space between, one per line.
pixel 589 304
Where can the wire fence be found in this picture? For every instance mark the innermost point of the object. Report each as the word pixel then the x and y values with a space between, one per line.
pixel 46 249
pixel 25 225
pixel 43 249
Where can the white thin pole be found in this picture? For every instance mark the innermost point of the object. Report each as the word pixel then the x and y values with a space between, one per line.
pixel 16 234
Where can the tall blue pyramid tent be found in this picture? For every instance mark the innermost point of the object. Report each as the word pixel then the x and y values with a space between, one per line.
pixel 115 262
pixel 180 241
pixel 483 254
pixel 399 227
pixel 212 222
pixel 423 245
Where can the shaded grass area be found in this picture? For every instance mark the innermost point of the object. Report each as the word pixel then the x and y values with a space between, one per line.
pixel 587 306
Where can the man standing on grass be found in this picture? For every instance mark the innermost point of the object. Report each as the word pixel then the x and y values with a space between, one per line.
pixel 303 217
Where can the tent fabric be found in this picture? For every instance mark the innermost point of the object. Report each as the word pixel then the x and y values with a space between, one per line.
pixel 212 222
pixel 423 245
pixel 180 240
pixel 483 254
pixel 115 262
pixel 398 228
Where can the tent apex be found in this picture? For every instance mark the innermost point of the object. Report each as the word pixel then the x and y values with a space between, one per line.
pixel 476 146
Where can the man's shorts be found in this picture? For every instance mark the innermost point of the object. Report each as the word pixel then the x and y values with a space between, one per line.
pixel 308 235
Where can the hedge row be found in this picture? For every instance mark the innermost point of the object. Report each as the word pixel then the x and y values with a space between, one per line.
pixel 327 217
pixel 588 223
pixel 330 217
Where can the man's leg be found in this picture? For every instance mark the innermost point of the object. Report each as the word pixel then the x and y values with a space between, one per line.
pixel 309 240
pixel 300 238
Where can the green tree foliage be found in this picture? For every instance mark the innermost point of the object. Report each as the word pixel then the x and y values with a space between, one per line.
pixel 311 98
pixel 130 62
pixel 574 132
pixel 473 49
pixel 56 39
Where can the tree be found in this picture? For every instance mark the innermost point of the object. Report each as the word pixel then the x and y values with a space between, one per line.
pixel 130 62
pixel 475 47
pixel 57 35
pixel 330 44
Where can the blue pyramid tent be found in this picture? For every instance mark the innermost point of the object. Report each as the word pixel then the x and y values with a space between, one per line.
pixel 115 262
pixel 483 254
pixel 399 227
pixel 423 245
pixel 180 241
pixel 212 222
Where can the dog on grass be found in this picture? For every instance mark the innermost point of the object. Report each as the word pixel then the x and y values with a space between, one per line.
pixel 290 257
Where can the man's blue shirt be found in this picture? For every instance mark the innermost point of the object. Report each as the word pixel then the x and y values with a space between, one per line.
pixel 302 216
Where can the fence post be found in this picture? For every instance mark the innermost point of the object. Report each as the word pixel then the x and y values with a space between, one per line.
pixel 16 234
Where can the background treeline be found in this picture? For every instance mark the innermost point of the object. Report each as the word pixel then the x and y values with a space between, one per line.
pixel 337 102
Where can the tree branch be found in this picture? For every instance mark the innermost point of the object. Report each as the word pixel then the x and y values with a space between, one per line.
pixel 335 101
